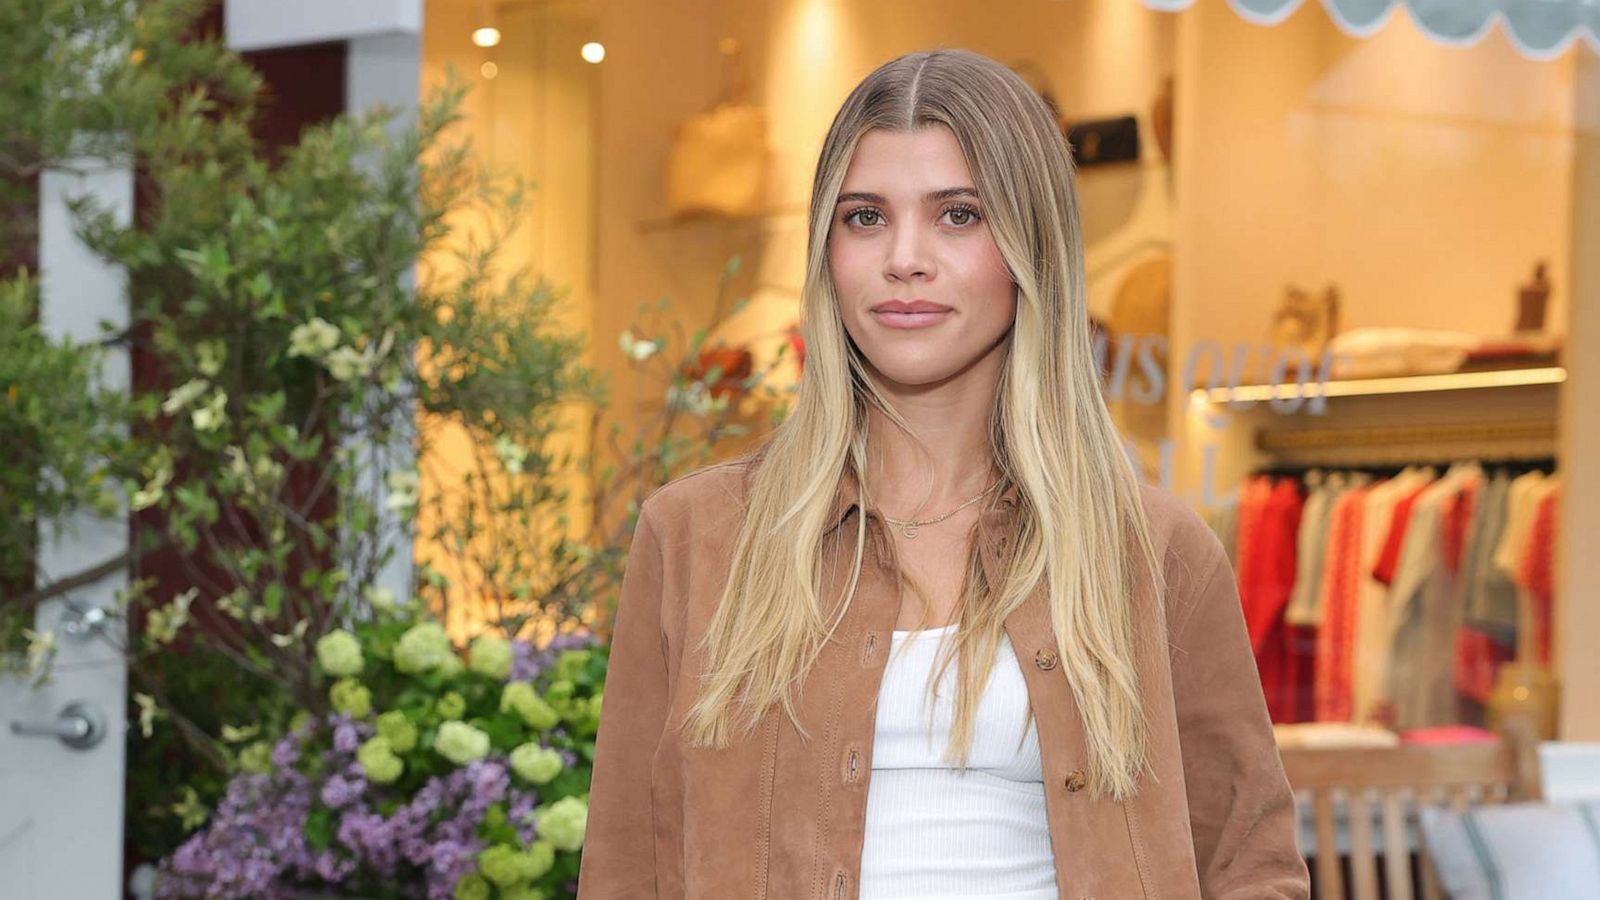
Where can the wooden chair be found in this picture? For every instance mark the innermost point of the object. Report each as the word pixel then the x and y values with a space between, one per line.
pixel 1360 786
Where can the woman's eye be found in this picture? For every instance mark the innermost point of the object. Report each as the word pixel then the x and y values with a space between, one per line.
pixel 967 213
pixel 960 216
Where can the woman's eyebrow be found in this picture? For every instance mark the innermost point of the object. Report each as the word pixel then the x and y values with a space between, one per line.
pixel 930 197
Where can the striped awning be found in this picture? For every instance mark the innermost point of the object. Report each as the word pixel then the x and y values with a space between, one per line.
pixel 1541 29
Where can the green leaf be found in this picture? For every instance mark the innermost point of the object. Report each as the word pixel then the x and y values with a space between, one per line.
pixel 319 828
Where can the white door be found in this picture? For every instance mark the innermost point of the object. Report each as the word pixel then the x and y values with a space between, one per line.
pixel 62 745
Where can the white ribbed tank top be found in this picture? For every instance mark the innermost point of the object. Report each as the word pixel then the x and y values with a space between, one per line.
pixel 933 832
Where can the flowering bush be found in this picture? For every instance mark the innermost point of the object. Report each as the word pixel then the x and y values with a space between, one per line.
pixel 431 777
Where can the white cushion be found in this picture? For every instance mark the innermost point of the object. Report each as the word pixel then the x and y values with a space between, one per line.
pixel 1520 851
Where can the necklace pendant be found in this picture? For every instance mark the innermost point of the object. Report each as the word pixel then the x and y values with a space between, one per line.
pixel 910 531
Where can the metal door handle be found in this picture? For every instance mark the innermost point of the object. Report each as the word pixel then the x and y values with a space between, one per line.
pixel 80 726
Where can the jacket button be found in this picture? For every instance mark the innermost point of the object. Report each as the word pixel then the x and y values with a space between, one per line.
pixel 1046 659
pixel 1075 781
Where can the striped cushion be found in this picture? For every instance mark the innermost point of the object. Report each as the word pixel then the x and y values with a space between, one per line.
pixel 1521 851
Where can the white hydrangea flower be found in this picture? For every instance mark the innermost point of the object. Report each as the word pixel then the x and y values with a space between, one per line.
pixel 313 339
pixel 349 364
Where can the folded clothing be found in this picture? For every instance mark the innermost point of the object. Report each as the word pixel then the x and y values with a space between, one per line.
pixel 1333 734
pixel 1385 352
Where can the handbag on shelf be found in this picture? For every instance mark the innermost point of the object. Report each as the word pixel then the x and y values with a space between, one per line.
pixel 718 162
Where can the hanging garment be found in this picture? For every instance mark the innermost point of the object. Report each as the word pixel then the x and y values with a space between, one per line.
pixel 1512 548
pixel 1477 654
pixel 1341 594
pixel 1305 601
pixel 1367 700
pixel 1538 573
pixel 1389 556
pixel 1267 571
pixel 1490 597
pixel 1424 613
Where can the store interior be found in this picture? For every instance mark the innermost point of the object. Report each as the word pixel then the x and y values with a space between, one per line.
pixel 1323 266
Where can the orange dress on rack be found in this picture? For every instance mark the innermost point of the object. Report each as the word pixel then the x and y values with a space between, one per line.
pixel 1341 593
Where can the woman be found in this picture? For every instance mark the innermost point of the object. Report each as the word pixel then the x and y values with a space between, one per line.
pixel 1099 729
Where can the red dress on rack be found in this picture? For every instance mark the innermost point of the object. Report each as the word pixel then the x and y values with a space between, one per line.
pixel 1269 528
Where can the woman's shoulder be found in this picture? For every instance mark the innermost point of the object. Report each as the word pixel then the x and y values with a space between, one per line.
pixel 708 493
pixel 1187 547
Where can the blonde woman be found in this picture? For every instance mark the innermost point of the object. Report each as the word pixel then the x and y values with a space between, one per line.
pixel 933 639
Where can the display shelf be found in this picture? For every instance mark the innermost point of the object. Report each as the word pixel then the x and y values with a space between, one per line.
pixel 1403 384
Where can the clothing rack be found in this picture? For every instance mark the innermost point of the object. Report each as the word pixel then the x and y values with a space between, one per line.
pixel 1511 465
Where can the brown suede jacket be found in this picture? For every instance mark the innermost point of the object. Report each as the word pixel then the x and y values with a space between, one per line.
pixel 775 816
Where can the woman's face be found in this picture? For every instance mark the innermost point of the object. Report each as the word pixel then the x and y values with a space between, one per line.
pixel 923 289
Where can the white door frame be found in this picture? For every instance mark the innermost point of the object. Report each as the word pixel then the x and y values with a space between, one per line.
pixel 61 809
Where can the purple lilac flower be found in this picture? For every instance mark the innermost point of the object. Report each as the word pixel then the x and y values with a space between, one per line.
pixel 339 791
pixel 527 662
pixel 255 844
pixel 345 738
pixel 518 813
pixel 287 751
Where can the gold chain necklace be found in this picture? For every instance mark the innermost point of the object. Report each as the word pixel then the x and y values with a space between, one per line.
pixel 910 528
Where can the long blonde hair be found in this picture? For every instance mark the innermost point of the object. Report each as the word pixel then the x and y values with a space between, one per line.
pixel 1081 528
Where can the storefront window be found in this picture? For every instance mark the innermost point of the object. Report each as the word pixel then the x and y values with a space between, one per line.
pixel 1330 262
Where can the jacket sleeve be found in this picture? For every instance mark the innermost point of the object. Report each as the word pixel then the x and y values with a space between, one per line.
pixel 1241 809
pixel 619 841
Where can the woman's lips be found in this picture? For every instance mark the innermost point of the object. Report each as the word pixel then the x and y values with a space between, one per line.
pixel 892 319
